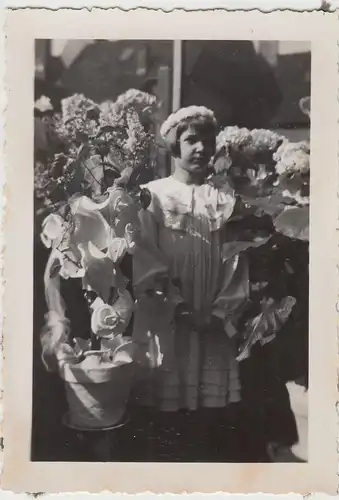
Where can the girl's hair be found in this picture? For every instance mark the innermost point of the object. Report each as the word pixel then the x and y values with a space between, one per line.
pixel 200 123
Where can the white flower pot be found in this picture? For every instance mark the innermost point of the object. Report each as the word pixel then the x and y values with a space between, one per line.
pixel 97 397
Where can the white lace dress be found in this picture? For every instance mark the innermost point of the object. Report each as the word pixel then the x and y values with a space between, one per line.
pixel 182 234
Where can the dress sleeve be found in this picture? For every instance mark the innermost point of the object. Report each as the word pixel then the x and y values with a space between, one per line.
pixel 233 291
pixel 150 267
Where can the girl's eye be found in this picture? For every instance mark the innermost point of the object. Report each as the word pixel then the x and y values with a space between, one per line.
pixel 191 140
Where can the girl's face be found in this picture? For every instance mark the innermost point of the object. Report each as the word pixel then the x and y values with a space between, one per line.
pixel 196 149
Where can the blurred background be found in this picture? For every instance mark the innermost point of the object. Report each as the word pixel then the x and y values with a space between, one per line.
pixel 257 84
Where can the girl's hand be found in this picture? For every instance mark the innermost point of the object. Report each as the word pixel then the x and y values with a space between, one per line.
pixel 216 324
pixel 182 314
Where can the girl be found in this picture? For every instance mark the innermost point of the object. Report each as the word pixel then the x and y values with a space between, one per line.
pixel 186 293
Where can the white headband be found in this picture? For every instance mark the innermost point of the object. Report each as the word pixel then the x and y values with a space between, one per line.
pixel 183 114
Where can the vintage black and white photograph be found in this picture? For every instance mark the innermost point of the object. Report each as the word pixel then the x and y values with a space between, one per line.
pixel 171 250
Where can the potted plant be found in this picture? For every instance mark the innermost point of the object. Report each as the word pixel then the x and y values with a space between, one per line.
pixel 89 200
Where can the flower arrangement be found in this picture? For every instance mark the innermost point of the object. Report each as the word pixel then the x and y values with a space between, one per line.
pixel 89 241
pixel 93 145
pixel 270 176
pixel 89 188
pixel 249 142
pixel 264 168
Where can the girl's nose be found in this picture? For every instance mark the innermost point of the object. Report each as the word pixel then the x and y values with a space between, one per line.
pixel 199 146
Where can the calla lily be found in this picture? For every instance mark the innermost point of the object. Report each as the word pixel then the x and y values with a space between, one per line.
pixel 88 247
pixel 117 210
pixel 99 270
pixel 90 225
pixel 101 274
pixel 119 213
pixel 53 230
pixel 118 216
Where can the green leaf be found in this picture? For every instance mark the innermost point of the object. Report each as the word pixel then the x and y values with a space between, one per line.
pixel 294 223
pixel 222 164
pixel 232 248
pixel 271 205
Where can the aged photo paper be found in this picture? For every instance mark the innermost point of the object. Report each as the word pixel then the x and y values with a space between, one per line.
pixel 158 368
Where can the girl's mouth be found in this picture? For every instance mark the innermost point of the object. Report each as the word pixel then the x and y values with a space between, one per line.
pixel 199 159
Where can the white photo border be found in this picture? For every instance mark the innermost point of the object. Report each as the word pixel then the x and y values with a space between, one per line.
pixel 23 26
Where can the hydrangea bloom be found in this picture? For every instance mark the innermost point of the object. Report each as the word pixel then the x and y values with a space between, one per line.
pixel 142 102
pixel 264 140
pixel 137 142
pixel 43 104
pixel 293 157
pixel 76 106
pixel 250 142
pixel 125 127
pixel 233 137
pixel 98 143
pixel 109 114
pixel 79 117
